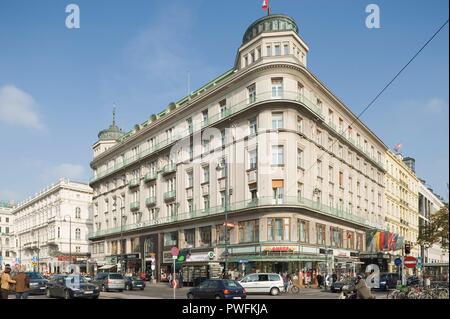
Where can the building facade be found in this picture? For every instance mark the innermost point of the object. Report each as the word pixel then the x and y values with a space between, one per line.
pixel 429 204
pixel 52 227
pixel 264 153
pixel 7 248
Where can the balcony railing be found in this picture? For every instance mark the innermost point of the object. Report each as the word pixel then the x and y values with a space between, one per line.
pixel 294 201
pixel 231 110
pixel 150 201
pixel 150 177
pixel 169 168
pixel 169 195
pixel 134 206
pixel 134 183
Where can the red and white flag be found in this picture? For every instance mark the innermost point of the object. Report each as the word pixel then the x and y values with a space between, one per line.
pixel 265 5
pixel 397 147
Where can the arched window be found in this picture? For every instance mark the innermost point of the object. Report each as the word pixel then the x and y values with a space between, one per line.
pixel 77 233
pixel 78 212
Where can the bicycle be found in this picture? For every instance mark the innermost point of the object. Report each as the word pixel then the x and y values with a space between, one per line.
pixel 293 288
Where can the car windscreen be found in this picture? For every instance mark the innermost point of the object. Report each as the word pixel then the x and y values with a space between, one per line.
pixel 231 284
pixel 74 279
pixel 115 276
pixel 34 275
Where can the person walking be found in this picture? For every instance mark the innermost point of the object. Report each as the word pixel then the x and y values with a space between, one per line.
pixel 362 291
pixel 22 284
pixel 6 282
pixel 319 281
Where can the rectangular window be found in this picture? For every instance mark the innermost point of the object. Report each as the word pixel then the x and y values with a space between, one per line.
pixel 336 237
pixel 189 237
pixel 320 234
pixel 300 191
pixel 269 50
pixel 299 124
pixel 359 242
pixel 249 231
pixel 190 204
pixel 223 108
pixel 190 179
pixel 251 93
pixel 252 125
pixel 206 202
pixel 278 229
pixel 170 239
pixel 205 174
pixel 278 191
pixel 350 237
pixel 277 88
pixel 205 118
pixel 303 231
pixel 341 179
pixel 220 234
pixel 277 49
pixel 319 137
pixel 277 120
pixel 300 158
pixel 253 158
pixel 205 236
pixel 331 174
pixel 319 168
pixel 286 49
pixel 278 155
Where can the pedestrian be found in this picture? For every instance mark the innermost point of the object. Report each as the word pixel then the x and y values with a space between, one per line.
pixel 285 282
pixel 427 282
pixel 334 277
pixel 362 291
pixel 6 282
pixel 319 280
pixel 22 284
pixel 181 279
pixel 169 277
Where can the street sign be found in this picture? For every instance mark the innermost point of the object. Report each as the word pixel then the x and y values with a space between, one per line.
pixel 419 262
pixel 211 255
pixel 243 261
pixel 410 262
pixel 34 258
pixel 174 251
pixel 398 261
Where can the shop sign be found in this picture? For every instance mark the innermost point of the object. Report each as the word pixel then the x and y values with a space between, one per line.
pixel 133 256
pixel 197 257
pixel 278 249
pixel 167 257
pixel 341 253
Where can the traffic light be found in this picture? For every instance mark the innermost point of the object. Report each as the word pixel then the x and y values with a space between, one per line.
pixel 407 249
pixel 182 256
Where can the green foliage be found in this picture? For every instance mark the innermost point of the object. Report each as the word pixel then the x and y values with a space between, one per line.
pixel 436 232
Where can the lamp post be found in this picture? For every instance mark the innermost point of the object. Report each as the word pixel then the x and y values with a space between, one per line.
pixel 70 236
pixel 223 165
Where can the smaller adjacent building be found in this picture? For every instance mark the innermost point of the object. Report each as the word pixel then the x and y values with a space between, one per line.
pixel 7 249
pixel 51 228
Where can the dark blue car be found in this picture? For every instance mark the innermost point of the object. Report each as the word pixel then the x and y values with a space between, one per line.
pixel 218 289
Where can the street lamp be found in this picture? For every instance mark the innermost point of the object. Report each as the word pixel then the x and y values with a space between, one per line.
pixel 223 165
pixel 70 236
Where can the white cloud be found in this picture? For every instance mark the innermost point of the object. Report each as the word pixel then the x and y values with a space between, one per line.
pixel 18 108
pixel 436 105
pixel 65 170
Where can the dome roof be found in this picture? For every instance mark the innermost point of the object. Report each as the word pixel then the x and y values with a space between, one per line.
pixel 113 132
pixel 270 23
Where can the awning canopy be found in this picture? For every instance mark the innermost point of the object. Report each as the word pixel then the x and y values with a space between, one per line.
pixel 107 267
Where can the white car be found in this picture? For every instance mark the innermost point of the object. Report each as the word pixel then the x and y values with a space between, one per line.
pixel 263 283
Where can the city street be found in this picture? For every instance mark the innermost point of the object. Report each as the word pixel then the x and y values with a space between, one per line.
pixel 161 291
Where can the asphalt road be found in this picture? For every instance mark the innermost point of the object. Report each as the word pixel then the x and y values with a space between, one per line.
pixel 162 291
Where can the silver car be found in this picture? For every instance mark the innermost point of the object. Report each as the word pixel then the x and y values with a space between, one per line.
pixel 110 281
pixel 263 283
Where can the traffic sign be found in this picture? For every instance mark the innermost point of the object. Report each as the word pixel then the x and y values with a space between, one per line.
pixel 174 251
pixel 419 262
pixel 398 261
pixel 34 258
pixel 410 262
pixel 243 261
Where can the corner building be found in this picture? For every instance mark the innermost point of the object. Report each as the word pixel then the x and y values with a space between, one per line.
pixel 300 183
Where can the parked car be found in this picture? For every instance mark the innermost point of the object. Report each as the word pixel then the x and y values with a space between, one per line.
pixel 338 285
pixel 71 286
pixel 109 281
pixel 388 280
pixel 38 284
pixel 263 283
pixel 412 281
pixel 134 282
pixel 218 289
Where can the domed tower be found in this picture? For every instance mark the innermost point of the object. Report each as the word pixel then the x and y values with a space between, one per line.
pixel 107 138
pixel 271 38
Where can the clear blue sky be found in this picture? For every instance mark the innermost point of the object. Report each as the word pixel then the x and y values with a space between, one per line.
pixel 62 83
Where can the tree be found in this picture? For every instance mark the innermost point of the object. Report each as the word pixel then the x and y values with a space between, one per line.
pixel 436 232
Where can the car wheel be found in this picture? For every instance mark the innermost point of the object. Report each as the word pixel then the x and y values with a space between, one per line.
pixel 274 291
pixel 67 294
pixel 190 296
pixel 48 293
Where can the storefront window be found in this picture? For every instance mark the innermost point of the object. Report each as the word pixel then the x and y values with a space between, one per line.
pixel 205 236
pixel 220 234
pixel 249 231
pixel 359 242
pixel 278 229
pixel 350 236
pixel 303 231
pixel 336 237
pixel 170 239
pixel 189 237
pixel 320 233
pixel 135 245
